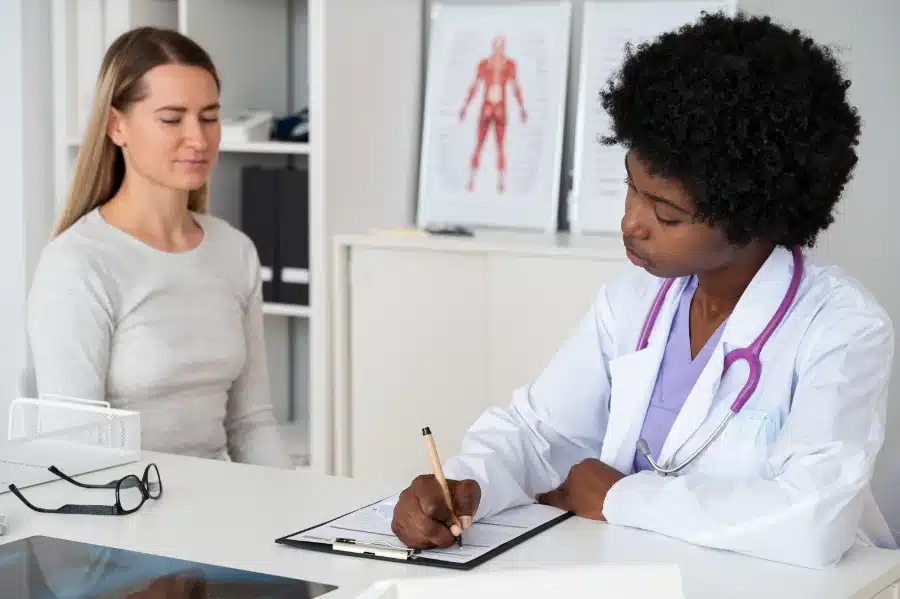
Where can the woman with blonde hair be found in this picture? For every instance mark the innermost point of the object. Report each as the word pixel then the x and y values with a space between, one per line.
pixel 143 299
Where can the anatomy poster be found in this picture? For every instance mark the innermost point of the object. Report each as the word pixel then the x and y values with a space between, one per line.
pixel 494 114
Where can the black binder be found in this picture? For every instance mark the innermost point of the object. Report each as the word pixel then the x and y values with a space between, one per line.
pixel 260 202
pixel 293 236
pixel 410 556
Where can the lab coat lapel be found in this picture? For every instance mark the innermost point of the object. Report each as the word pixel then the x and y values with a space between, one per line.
pixel 696 406
pixel 633 376
pixel 750 316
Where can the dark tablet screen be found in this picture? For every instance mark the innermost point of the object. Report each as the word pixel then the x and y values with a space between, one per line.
pixel 47 568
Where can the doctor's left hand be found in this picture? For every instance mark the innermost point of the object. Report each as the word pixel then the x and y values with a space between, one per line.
pixel 584 490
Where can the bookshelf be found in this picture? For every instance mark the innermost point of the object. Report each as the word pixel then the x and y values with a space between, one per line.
pixel 357 65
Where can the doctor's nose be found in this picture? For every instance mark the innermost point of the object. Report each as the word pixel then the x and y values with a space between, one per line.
pixel 634 221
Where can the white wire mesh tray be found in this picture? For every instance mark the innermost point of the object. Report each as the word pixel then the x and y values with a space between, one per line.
pixel 75 435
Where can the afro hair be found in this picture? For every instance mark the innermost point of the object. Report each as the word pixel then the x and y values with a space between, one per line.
pixel 751 118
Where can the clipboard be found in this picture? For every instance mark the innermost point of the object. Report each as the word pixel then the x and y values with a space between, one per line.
pixel 392 550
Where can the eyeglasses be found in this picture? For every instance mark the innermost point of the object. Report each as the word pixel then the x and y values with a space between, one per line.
pixel 131 493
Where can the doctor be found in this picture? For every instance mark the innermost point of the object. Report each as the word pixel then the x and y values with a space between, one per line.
pixel 725 390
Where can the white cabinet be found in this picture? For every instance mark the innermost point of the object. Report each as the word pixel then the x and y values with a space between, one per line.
pixel 419 340
pixel 534 303
pixel 432 331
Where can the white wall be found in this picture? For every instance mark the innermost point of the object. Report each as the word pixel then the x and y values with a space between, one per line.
pixel 26 170
pixel 12 174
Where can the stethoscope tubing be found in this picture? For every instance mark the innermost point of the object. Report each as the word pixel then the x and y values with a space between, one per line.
pixel 750 354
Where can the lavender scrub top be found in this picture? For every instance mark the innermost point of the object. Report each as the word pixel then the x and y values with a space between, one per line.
pixel 675 379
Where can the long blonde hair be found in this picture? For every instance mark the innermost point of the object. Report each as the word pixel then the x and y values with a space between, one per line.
pixel 100 166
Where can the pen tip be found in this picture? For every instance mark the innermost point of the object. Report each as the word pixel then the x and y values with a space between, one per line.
pixel 426 431
pixel 459 541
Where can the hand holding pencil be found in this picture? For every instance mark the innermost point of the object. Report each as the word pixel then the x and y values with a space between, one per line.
pixel 433 511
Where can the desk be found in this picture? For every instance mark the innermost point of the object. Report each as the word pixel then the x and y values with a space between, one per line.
pixel 229 515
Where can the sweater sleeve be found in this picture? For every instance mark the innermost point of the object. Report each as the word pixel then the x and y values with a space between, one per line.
pixel 253 436
pixel 70 324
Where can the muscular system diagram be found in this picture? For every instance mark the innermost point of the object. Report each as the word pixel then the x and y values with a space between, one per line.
pixel 495 73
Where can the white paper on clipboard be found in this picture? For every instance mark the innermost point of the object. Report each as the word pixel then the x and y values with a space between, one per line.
pixel 372 525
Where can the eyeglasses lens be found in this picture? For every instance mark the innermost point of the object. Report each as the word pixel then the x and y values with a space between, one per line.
pixel 154 484
pixel 130 494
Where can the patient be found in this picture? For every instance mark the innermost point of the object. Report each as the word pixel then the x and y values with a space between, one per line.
pixel 142 298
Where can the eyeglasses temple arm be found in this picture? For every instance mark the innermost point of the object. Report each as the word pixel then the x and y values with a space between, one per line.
pixel 17 493
pixel 98 510
pixel 91 510
pixel 59 473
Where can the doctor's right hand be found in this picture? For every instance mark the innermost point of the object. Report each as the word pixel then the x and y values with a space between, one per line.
pixel 421 518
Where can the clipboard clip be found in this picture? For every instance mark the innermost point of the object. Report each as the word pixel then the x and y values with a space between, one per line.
pixel 376 548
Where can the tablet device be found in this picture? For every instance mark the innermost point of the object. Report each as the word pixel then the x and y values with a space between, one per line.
pixel 41 567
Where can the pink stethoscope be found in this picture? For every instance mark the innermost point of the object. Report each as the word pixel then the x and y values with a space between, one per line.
pixel 748 354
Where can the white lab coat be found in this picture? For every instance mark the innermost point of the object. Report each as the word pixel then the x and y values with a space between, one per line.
pixel 788 480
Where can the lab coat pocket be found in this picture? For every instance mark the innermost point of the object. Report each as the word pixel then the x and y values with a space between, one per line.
pixel 743 447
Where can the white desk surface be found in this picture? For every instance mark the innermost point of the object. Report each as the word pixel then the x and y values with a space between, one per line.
pixel 230 514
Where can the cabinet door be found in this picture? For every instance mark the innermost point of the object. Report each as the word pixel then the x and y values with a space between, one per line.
pixel 417 356
pixel 535 303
